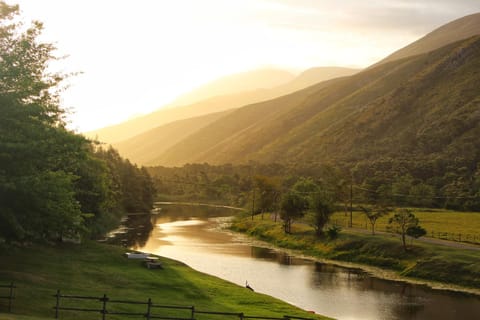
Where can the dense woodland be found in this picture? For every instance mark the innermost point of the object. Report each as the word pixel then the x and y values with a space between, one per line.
pixel 437 184
pixel 54 184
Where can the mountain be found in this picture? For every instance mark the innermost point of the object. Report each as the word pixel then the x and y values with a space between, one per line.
pixel 315 75
pixel 459 29
pixel 145 147
pixel 133 127
pixel 235 83
pixel 225 93
pixel 424 106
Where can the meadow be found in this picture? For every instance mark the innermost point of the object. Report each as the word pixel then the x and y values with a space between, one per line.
pixel 93 269
pixel 443 224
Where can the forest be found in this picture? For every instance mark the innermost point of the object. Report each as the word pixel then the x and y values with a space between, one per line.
pixel 443 183
pixel 55 184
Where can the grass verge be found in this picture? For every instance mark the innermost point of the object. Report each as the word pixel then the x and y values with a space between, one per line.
pixel 93 269
pixel 423 261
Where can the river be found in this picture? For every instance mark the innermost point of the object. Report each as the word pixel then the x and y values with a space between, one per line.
pixel 191 235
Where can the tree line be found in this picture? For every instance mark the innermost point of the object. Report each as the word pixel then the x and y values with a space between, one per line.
pixel 54 183
pixel 388 182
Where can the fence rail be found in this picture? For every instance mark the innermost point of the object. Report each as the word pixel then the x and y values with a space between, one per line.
pixel 450 236
pixel 106 304
pixel 11 294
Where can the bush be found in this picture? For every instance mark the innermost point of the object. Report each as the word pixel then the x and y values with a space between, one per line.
pixel 333 232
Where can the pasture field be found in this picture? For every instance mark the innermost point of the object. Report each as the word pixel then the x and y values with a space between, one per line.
pixel 444 224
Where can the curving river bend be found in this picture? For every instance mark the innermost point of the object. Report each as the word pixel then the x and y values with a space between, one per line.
pixel 191 235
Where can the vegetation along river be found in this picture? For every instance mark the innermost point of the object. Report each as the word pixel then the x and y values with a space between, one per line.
pixel 191 235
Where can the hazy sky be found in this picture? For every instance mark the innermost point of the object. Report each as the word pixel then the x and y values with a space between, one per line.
pixel 137 56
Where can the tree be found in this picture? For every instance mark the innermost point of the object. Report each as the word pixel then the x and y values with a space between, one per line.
pixel 373 214
pixel 37 154
pixel 322 206
pixel 422 195
pixel 416 232
pixel 293 206
pixel 268 193
pixel 53 182
pixel 401 189
pixel 402 220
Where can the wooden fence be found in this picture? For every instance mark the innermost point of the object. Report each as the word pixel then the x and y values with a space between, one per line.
pixel 106 306
pixel 451 236
pixel 10 289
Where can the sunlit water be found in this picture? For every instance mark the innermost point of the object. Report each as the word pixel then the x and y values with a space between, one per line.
pixel 192 236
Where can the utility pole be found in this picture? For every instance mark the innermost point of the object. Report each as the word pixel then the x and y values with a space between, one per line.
pixel 351 200
pixel 253 203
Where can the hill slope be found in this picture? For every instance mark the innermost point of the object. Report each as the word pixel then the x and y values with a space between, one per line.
pixel 133 127
pixel 222 94
pixel 145 147
pixel 418 106
pixel 235 83
pixel 456 30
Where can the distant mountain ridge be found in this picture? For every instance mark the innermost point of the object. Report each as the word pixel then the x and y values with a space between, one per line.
pixel 315 120
pixel 421 101
pixel 417 107
pixel 146 147
pixel 235 83
pixel 269 88
pixel 458 29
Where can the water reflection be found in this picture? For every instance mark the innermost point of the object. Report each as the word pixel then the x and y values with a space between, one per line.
pixel 188 234
pixel 268 254
pixel 134 231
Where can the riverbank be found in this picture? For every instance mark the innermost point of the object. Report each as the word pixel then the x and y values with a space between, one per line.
pixel 94 269
pixel 383 255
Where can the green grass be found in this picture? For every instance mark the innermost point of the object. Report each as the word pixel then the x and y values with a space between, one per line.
pixel 451 225
pixel 8 316
pixel 423 261
pixel 94 269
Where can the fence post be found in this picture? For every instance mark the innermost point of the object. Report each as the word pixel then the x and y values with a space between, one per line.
pixel 193 312
pixel 241 315
pixel 149 308
pixel 10 298
pixel 104 307
pixel 57 304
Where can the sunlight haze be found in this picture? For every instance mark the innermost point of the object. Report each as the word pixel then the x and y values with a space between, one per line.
pixel 137 56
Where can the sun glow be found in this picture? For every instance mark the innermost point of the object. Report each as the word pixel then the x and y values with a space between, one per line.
pixel 138 56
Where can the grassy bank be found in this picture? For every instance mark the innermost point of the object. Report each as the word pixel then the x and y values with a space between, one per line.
pixel 422 261
pixel 93 269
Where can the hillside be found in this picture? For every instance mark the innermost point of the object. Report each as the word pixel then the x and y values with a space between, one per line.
pixel 315 75
pixel 225 93
pixel 129 129
pixel 235 83
pixel 145 147
pixel 459 29
pixel 422 106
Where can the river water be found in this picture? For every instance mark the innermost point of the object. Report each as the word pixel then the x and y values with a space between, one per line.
pixel 191 235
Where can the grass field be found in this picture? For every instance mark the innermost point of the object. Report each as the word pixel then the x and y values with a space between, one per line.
pixel 93 269
pixel 430 262
pixel 445 224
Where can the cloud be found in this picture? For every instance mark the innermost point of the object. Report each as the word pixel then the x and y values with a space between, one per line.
pixel 415 17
